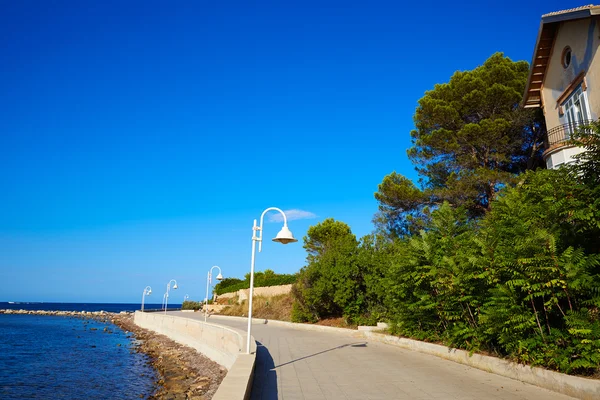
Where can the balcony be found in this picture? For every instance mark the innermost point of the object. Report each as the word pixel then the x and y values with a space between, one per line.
pixel 561 135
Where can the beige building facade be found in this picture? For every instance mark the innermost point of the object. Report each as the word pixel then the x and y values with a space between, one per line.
pixel 564 79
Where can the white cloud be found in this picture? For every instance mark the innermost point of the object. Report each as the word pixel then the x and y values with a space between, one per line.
pixel 291 215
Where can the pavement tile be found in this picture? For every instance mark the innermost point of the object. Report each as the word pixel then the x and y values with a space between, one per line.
pixel 309 363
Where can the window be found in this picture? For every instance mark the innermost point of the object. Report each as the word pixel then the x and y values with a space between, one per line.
pixel 566 57
pixel 576 110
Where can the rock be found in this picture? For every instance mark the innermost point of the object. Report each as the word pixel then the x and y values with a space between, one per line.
pixel 183 373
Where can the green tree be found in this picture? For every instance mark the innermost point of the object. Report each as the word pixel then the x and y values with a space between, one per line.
pixel 225 284
pixel 587 168
pixel 403 207
pixel 542 307
pixel 376 255
pixel 471 139
pixel 521 282
pixel 586 171
pixel 331 284
pixel 434 291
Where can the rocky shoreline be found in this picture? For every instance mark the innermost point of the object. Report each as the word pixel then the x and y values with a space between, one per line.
pixel 79 314
pixel 184 374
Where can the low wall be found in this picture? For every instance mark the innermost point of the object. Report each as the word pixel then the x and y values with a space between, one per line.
pixel 267 291
pixel 224 345
pixel 215 308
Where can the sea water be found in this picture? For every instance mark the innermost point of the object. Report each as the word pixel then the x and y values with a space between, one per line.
pixel 54 357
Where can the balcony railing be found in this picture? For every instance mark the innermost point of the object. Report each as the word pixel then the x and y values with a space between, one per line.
pixel 562 134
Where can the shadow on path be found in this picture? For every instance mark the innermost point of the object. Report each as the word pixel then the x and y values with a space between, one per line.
pixel 264 385
pixel 359 344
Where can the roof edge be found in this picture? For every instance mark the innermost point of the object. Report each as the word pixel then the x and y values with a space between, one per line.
pixel 575 13
pixel 531 65
pixel 549 20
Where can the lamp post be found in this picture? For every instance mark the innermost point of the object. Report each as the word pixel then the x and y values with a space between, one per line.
pixel 147 291
pixel 284 236
pixel 167 293
pixel 208 282
pixel 185 298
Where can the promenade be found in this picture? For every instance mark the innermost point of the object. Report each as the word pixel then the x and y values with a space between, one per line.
pixel 297 364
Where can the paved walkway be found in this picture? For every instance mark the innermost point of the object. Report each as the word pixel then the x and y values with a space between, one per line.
pixel 296 364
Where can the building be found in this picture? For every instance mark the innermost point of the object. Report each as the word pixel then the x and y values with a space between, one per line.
pixel 564 79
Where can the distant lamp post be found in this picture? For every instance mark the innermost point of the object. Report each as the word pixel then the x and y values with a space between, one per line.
pixel 284 236
pixel 147 291
pixel 185 298
pixel 208 282
pixel 167 293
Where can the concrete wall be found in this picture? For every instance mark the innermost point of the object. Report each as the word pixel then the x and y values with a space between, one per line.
pixel 224 345
pixel 268 291
pixel 561 156
pixel 216 308
pixel 227 295
pixel 583 37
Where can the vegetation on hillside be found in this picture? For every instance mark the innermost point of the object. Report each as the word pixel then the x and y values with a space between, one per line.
pixel 191 305
pixel 276 307
pixel 489 253
pixel 261 279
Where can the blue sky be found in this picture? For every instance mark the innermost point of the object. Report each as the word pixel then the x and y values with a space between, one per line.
pixel 139 140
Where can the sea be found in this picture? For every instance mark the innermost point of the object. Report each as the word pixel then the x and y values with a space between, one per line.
pixel 56 357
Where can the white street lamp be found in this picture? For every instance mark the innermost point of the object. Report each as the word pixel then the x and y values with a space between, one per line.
pixel 147 291
pixel 208 282
pixel 284 236
pixel 167 293
pixel 185 298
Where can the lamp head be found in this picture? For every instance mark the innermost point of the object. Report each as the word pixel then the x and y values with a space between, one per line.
pixel 175 286
pixel 285 236
pixel 149 292
pixel 220 277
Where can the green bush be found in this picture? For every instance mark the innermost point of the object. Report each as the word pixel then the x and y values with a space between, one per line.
pixel 299 314
pixel 521 282
pixel 332 284
pixel 191 305
pixel 225 285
